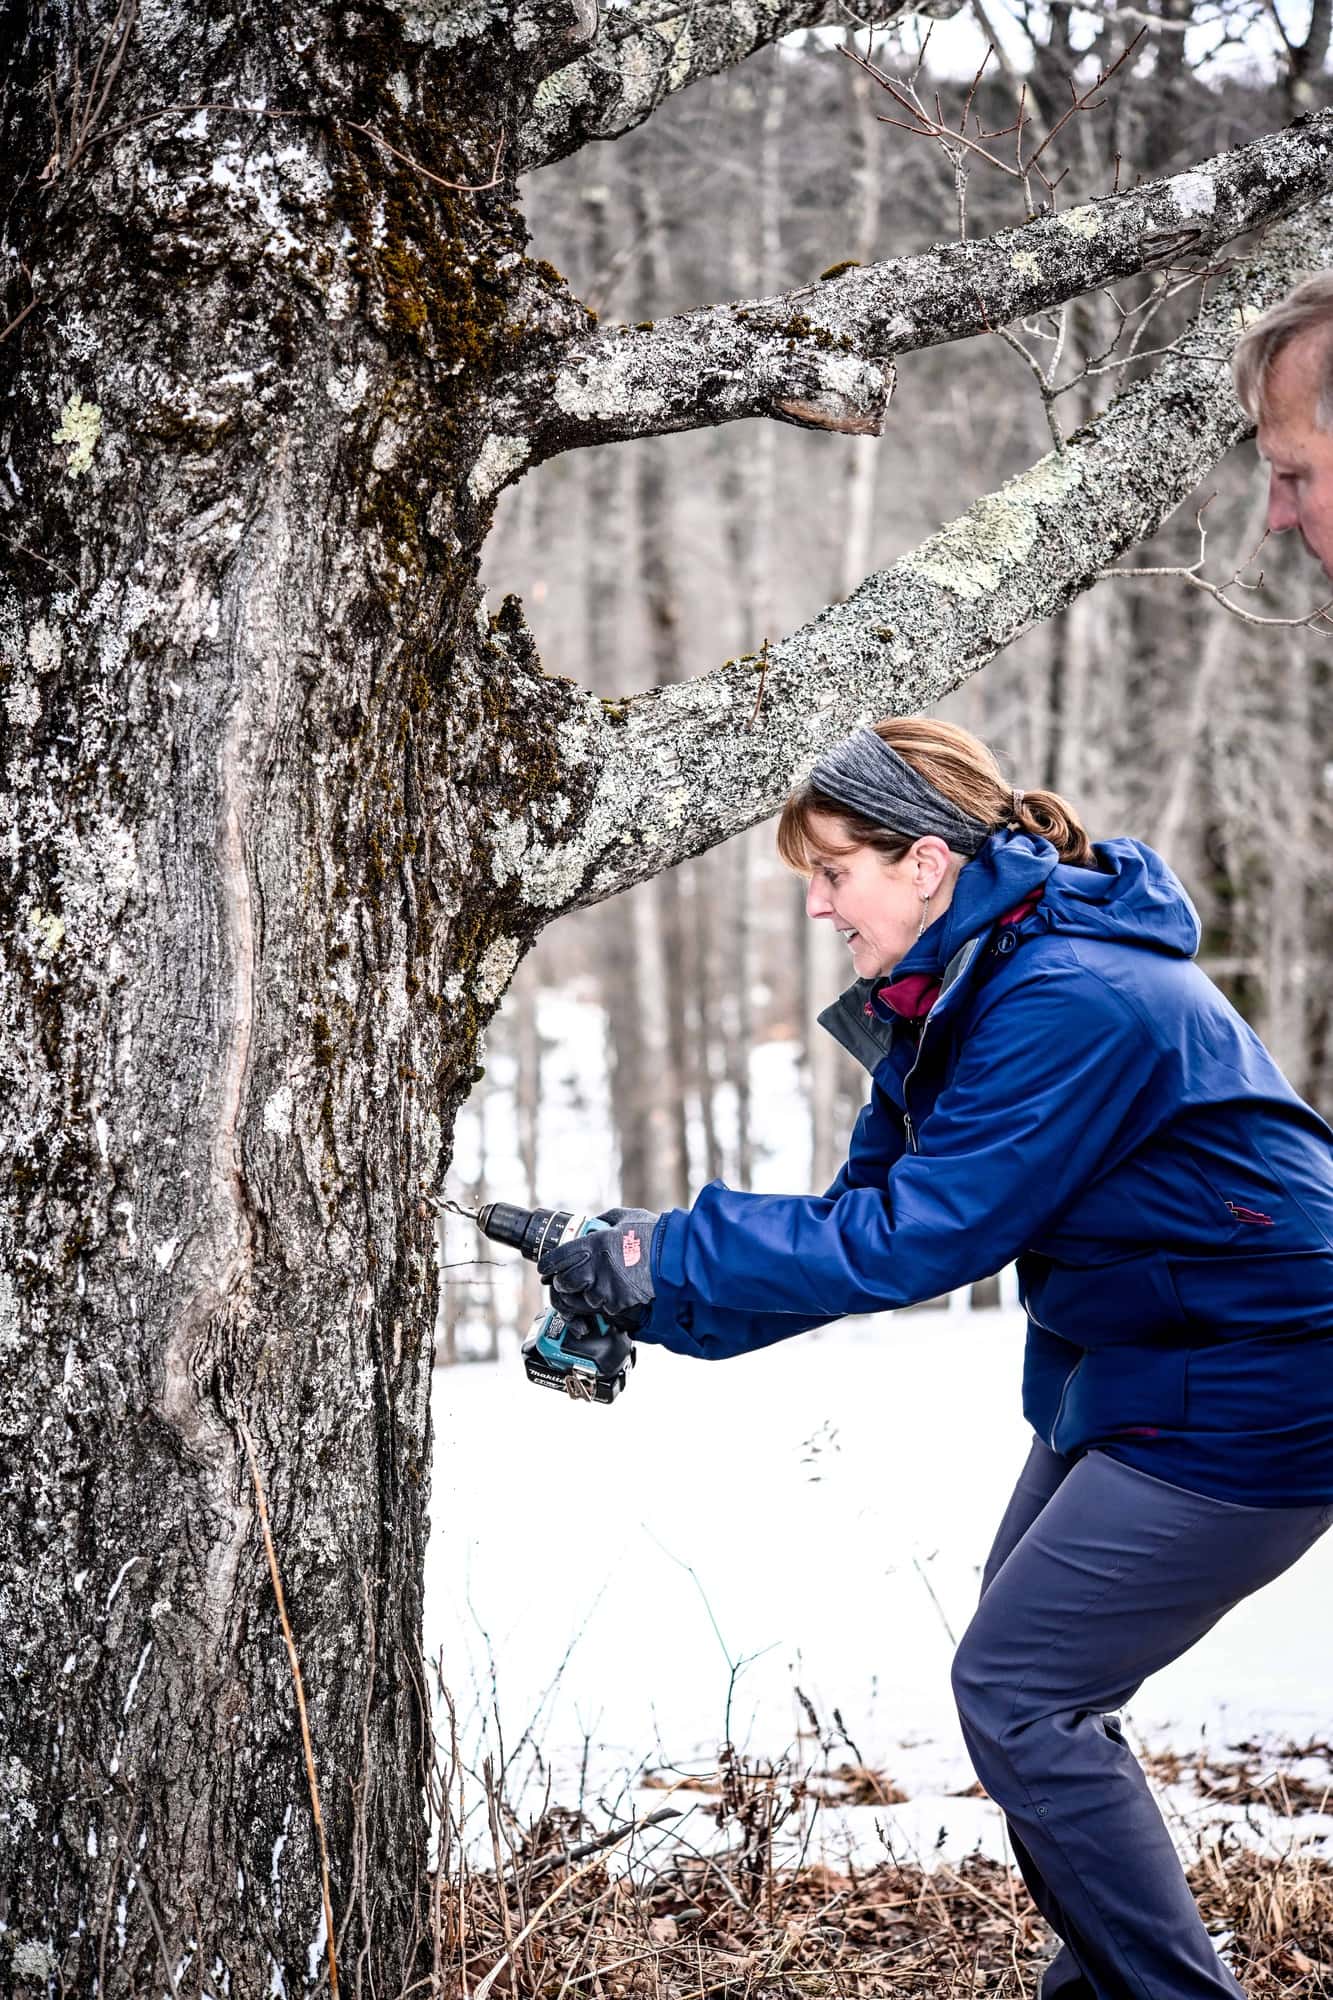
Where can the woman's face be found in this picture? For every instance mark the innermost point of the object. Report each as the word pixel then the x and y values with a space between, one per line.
pixel 876 903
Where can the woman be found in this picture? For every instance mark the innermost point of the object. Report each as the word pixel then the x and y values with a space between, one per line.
pixel 1054 1080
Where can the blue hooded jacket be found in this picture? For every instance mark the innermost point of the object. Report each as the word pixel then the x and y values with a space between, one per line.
pixel 1083 1099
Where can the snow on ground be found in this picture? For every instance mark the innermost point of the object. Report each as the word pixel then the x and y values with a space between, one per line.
pixel 816 1514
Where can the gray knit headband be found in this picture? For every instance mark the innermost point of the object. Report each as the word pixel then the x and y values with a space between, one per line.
pixel 867 774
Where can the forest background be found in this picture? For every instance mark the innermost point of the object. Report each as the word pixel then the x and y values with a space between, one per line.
pixel 1154 710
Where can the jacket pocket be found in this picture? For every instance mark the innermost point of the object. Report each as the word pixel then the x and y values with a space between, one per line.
pixel 1104 1305
pixel 1117 1389
pixel 1234 1296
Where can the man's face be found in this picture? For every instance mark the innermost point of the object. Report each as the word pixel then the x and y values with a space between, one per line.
pixel 1299 455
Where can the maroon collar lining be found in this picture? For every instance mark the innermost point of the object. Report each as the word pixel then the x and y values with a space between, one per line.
pixel 913 996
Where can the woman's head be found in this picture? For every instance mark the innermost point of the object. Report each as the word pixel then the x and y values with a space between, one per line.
pixel 944 792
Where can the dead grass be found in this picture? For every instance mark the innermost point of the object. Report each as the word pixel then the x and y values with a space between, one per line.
pixel 1253 1774
pixel 566 1912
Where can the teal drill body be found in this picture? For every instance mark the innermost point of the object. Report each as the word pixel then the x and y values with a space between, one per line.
pixel 588 1359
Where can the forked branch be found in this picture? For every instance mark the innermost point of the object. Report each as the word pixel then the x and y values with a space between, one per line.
pixel 645 53
pixel 679 768
pixel 87 102
pixel 821 355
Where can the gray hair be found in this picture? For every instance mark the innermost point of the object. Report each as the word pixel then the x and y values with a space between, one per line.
pixel 1310 305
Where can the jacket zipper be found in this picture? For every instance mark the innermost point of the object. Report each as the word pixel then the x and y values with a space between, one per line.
pixel 908 1126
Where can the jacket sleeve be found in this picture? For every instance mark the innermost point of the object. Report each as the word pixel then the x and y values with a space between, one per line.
pixel 712 1333
pixel 1052 1088
pixel 688 1325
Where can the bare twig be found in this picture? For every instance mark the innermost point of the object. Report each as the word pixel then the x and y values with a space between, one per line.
pixel 735 1666
pixel 86 110
pixel 602 1842
pixel 122 1848
pixel 356 1894
pixel 958 143
pixel 261 1501
pixel 486 1984
pixel 145 1895
pixel 45 561
pixel 1318 617
pixel 1189 573
pixel 1085 101
pixel 19 318
pixel 458 187
pixel 493 1818
pixel 1043 381
pixel 930 1588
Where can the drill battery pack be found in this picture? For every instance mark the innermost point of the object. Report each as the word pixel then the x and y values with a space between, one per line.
pixel 588 1361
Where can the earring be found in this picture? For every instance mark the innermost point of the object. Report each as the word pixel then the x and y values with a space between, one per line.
pixel 925 911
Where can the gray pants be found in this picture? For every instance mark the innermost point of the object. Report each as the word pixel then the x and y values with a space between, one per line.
pixel 1099 1576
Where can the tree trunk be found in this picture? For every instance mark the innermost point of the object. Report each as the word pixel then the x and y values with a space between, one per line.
pixel 835 1084
pixel 254 706
pixel 1284 1027
pixel 620 966
pixel 748 496
pixel 706 1038
pixel 659 586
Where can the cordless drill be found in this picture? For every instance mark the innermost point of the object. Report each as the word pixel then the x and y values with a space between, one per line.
pixel 588 1359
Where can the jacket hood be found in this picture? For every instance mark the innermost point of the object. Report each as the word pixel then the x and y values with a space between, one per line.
pixel 1131 897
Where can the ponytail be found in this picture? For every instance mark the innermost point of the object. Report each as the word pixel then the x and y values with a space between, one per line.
pixel 964 771
pixel 1049 817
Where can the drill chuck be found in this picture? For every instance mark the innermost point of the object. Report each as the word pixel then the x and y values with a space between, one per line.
pixel 526 1230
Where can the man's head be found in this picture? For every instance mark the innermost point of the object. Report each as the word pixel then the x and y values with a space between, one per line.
pixel 1283 367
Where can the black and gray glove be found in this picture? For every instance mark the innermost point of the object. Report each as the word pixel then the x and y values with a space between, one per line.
pixel 608 1271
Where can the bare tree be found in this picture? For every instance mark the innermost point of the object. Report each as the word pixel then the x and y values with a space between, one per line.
pixel 660 590
pixel 284 803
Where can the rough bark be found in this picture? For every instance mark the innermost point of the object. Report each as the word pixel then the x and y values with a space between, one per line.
pixel 256 720
pixel 821 356
pixel 645 53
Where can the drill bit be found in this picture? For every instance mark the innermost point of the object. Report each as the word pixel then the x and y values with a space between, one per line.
pixel 447 1202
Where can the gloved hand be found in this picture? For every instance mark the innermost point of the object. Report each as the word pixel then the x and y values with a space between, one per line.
pixel 609 1271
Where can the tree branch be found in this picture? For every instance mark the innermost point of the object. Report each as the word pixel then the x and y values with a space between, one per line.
pixel 820 356
pixel 647 52
pixel 680 768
